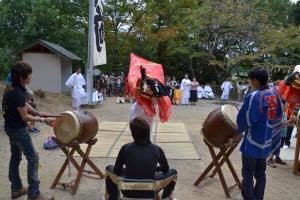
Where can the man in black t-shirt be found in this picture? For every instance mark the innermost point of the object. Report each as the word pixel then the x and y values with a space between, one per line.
pixel 16 115
pixel 140 159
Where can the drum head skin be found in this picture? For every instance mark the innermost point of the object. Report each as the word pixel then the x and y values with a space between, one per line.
pixel 230 112
pixel 67 127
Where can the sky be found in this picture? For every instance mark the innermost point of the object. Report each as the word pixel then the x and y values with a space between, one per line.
pixel 294 1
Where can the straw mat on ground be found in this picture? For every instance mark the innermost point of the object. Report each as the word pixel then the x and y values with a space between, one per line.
pixel 173 138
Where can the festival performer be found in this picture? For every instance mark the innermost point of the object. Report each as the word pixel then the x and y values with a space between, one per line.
pixel 226 87
pixel 194 96
pixel 289 89
pixel 177 95
pixel 76 82
pixel 147 85
pixel 16 115
pixel 258 115
pixel 132 156
pixel 185 87
pixel 208 92
pixel 137 110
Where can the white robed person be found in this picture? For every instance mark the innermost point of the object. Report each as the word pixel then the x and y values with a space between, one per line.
pixel 76 82
pixel 226 87
pixel 185 88
pixel 208 92
pixel 200 92
pixel 97 97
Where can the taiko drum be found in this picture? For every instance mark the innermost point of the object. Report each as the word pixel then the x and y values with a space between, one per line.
pixel 220 126
pixel 81 126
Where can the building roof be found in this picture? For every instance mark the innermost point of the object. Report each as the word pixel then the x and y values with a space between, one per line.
pixel 54 48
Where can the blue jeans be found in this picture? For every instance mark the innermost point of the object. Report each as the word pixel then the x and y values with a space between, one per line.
pixel 257 168
pixel 20 142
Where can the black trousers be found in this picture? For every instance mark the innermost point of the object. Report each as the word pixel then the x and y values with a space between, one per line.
pixel 253 168
pixel 112 188
pixel 289 132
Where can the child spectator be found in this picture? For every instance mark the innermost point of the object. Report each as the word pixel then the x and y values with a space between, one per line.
pixel 177 95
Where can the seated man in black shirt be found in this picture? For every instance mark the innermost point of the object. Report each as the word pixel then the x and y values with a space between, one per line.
pixel 140 159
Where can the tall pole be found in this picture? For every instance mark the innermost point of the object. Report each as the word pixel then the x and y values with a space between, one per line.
pixel 89 67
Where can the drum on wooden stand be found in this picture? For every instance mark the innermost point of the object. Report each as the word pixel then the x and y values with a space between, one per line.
pixel 220 126
pixel 72 128
pixel 81 126
pixel 219 131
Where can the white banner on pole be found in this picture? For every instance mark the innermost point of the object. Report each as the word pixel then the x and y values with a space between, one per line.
pixel 98 42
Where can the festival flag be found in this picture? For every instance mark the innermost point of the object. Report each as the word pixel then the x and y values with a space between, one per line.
pixel 98 42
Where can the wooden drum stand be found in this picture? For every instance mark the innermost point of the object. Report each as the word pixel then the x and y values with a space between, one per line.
pixel 75 146
pixel 218 161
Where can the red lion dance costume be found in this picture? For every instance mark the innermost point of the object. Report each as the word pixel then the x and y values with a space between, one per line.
pixel 146 81
pixel 289 90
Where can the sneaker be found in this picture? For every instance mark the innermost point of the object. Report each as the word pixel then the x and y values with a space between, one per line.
pixel 21 192
pixel 279 161
pixel 271 163
pixel 285 146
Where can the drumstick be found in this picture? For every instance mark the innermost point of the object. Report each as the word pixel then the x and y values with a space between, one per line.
pixel 55 116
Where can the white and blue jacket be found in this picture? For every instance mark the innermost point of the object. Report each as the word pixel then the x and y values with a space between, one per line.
pixel 260 113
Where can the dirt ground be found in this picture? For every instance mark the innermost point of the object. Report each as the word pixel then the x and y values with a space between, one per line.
pixel 281 183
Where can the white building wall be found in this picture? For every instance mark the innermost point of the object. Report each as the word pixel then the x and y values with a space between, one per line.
pixel 46 71
pixel 66 72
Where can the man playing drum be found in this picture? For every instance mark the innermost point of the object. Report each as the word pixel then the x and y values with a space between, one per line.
pixel 258 118
pixel 16 115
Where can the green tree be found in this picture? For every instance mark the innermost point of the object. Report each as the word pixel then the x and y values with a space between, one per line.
pixel 121 18
pixel 208 39
pixel 295 14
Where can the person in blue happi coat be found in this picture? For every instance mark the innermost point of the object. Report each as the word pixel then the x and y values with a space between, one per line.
pixel 259 114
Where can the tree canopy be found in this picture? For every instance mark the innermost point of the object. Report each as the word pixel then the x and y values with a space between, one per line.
pixel 206 39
